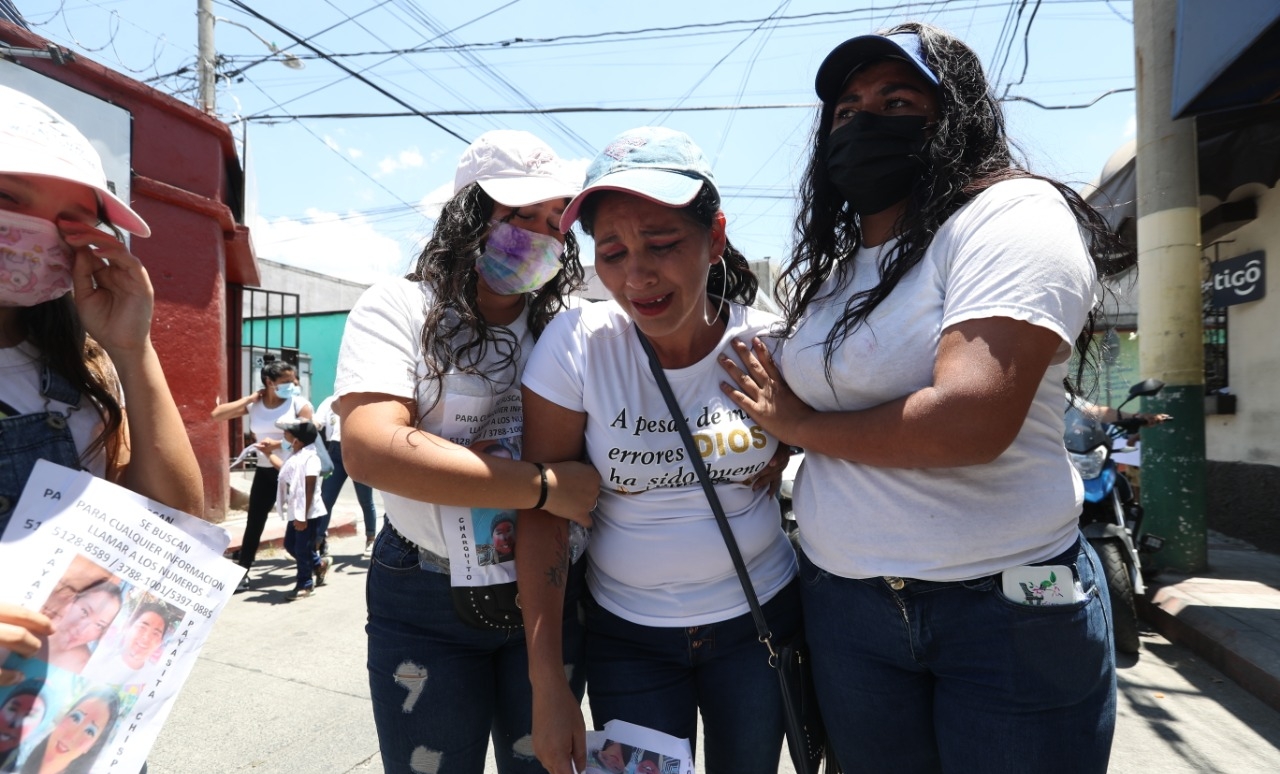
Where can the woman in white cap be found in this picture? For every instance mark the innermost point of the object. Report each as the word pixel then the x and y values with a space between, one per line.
pixel 75 333
pixel 933 300
pixel 429 379
pixel 669 631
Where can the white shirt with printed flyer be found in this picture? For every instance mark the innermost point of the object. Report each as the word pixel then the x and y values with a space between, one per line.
pixel 382 353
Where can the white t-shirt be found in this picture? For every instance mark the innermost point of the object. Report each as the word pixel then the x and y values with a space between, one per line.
pixel 327 421
pixel 20 374
pixel 262 422
pixel 1015 251
pixel 382 353
pixel 656 556
pixel 291 489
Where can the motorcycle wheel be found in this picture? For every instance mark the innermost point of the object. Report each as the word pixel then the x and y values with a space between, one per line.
pixel 1124 617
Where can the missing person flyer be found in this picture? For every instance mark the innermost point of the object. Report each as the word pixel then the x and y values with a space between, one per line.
pixel 133 588
pixel 625 748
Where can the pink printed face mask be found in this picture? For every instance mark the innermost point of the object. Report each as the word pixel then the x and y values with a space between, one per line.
pixel 35 266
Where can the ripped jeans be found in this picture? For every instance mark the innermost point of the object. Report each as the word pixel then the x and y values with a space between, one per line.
pixel 441 688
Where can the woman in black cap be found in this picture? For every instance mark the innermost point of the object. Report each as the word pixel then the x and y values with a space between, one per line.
pixel 933 300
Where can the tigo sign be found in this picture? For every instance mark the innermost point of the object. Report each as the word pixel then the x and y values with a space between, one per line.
pixel 1239 280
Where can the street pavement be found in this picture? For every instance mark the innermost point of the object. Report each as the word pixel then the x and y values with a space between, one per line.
pixel 281 686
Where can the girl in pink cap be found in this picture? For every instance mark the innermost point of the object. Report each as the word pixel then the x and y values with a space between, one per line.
pixel 75 334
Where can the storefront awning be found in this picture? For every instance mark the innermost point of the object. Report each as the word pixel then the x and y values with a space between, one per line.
pixel 1235 150
pixel 1227 55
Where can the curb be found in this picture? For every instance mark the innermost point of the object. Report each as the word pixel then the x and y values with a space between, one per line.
pixel 273 533
pixel 1230 643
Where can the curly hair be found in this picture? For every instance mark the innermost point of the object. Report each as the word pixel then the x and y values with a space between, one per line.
pixel 968 152
pixel 732 275
pixel 455 335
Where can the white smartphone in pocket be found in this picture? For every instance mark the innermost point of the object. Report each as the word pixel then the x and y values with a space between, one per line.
pixel 1041 584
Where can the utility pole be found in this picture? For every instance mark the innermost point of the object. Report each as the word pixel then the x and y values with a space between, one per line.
pixel 1170 311
pixel 205 58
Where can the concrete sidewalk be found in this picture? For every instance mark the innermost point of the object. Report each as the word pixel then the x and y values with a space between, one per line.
pixel 1229 615
pixel 347 518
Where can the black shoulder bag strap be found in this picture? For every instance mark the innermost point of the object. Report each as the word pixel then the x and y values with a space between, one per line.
pixel 677 416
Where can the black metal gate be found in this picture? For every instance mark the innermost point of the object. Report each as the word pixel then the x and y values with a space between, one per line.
pixel 270 330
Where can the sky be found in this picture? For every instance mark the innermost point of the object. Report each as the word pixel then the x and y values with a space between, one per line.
pixel 356 197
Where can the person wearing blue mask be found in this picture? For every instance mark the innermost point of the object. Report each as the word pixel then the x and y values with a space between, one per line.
pixel 278 403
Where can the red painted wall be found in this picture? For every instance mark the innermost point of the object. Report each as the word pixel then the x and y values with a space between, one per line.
pixel 184 165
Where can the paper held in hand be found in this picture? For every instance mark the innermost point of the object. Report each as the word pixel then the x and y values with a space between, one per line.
pixel 133 588
pixel 625 748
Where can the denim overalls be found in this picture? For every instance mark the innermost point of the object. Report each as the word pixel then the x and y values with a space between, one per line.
pixel 44 435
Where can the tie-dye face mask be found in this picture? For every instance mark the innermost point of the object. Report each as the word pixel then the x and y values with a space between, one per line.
pixel 35 266
pixel 518 261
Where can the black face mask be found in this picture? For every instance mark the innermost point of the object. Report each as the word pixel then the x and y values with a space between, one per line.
pixel 875 160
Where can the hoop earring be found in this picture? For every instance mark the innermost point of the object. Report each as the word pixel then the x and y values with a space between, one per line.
pixel 724 288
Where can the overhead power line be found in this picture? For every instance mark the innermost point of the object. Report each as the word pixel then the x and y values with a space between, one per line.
pixel 266 117
pixel 349 71
pixel 529 111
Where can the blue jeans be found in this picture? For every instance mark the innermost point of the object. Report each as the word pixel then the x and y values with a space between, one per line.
pixel 301 545
pixel 661 677
pixel 331 486
pixel 950 677
pixel 441 688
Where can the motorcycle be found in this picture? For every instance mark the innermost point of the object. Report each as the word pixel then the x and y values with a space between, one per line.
pixel 1111 519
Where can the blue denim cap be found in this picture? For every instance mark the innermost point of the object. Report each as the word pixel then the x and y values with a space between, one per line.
pixel 847 57
pixel 653 162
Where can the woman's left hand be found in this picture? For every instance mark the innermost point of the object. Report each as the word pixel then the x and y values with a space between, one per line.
pixel 113 293
pixel 761 392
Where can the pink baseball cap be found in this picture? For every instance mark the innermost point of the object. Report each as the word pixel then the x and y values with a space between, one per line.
pixel 35 140
pixel 515 168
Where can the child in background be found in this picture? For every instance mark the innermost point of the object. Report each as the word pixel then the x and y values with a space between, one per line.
pixel 300 505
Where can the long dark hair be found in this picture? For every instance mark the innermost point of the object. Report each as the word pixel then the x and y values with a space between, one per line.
pixel 731 276
pixel 968 153
pixel 54 328
pixel 455 336
pixel 84 762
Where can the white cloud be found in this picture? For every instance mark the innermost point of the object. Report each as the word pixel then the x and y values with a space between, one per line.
pixel 355 153
pixel 405 159
pixel 431 204
pixel 346 246
pixel 1131 127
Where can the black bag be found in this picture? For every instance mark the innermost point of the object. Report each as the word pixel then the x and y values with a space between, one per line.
pixel 806 735
pixel 488 607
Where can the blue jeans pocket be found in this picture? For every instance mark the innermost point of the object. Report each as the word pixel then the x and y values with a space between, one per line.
pixel 393 554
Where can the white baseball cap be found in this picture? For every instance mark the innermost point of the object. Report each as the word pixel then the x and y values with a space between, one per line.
pixel 515 168
pixel 35 140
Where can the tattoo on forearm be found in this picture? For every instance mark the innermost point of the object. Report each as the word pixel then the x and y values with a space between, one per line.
pixel 558 572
